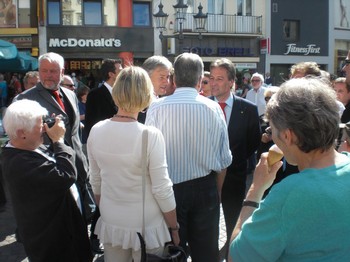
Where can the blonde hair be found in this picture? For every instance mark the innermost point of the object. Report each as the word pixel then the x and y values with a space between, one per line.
pixel 271 90
pixel 133 89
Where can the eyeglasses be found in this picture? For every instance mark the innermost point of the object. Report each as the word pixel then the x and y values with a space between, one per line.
pixel 346 62
pixel 267 98
pixel 205 82
pixel 70 85
pixel 256 80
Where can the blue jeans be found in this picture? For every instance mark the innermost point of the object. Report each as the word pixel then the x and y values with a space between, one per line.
pixel 198 213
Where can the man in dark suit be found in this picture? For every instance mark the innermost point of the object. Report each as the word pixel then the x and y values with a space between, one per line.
pixel 44 196
pixel 99 102
pixel 244 135
pixel 51 71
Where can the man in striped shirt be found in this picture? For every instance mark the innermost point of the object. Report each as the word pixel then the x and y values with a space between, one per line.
pixel 198 153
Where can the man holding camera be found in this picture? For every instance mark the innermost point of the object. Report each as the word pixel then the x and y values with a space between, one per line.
pixel 41 185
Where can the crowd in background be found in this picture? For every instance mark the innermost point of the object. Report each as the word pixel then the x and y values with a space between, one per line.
pixel 189 173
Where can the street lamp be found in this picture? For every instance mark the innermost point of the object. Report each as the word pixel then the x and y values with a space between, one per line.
pixel 200 20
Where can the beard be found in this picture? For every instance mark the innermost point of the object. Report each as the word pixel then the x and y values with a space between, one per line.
pixel 50 85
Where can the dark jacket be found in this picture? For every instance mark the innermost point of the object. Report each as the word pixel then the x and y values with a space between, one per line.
pixel 49 221
pixel 99 106
pixel 244 133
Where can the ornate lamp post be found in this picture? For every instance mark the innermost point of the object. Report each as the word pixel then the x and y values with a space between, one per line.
pixel 200 20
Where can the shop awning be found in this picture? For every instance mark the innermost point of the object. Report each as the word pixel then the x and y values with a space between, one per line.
pixel 22 63
pixel 11 60
pixel 7 50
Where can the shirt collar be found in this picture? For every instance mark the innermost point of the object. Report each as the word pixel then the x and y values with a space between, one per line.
pixel 108 87
pixel 229 100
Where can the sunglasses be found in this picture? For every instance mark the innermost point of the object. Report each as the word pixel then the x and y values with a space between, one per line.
pixel 346 61
pixel 267 98
pixel 70 85
pixel 205 82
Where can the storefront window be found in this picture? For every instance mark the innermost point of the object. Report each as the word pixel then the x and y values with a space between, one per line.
pixel 291 30
pixel 82 12
pixel 244 7
pixel 53 12
pixel 92 12
pixel 216 7
pixel 141 14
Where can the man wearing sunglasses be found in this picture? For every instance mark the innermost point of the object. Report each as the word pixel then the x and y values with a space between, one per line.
pixel 68 82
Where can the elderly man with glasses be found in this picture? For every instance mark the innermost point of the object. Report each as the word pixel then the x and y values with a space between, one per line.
pixel 256 94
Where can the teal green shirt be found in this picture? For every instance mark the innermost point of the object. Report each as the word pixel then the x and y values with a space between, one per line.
pixel 306 217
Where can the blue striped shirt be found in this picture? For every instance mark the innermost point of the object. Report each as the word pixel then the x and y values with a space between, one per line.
pixel 195 134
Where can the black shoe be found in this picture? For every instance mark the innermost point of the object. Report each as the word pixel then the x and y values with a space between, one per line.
pixel 96 246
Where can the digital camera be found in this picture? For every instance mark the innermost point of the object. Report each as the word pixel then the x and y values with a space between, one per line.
pixel 50 121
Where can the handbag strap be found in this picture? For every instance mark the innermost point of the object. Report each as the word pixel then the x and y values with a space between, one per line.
pixel 144 172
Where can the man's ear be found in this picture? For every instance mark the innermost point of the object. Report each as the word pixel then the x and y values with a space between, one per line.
pixel 20 133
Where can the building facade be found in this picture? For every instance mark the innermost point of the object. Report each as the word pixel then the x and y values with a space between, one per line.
pixel 19 25
pixel 313 30
pixel 233 31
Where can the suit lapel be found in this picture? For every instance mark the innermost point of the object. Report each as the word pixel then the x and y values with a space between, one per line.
pixel 49 98
pixel 237 114
pixel 109 96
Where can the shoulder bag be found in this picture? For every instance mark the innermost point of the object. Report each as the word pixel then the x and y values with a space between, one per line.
pixel 171 253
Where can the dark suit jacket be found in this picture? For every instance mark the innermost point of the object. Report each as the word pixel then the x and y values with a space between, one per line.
pixel 99 106
pixel 244 133
pixel 49 221
pixel 346 114
pixel 72 122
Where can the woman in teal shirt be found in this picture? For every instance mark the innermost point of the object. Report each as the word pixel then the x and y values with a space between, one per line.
pixel 306 216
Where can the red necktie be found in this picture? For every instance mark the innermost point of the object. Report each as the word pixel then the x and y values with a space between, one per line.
pixel 56 94
pixel 223 105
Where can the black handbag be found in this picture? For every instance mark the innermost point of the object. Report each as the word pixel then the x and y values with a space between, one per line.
pixel 171 253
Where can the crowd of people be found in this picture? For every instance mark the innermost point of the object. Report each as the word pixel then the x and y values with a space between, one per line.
pixel 202 132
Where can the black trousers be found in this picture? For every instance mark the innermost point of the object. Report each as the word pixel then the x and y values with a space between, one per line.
pixel 2 190
pixel 198 213
pixel 232 196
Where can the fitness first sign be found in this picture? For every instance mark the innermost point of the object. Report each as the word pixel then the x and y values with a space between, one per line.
pixel 74 42
pixel 311 49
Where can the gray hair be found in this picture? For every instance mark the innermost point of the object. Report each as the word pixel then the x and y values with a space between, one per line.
pixel 30 74
pixel 52 57
pixel 308 107
pixel 188 70
pixel 156 61
pixel 259 76
pixel 22 114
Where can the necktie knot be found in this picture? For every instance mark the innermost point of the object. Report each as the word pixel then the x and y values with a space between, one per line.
pixel 223 105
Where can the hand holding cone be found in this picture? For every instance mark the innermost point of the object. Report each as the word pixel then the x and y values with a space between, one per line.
pixel 275 155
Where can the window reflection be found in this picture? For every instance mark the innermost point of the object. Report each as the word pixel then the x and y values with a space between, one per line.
pixel 92 13
pixel 141 13
pixel 82 12
pixel 53 12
